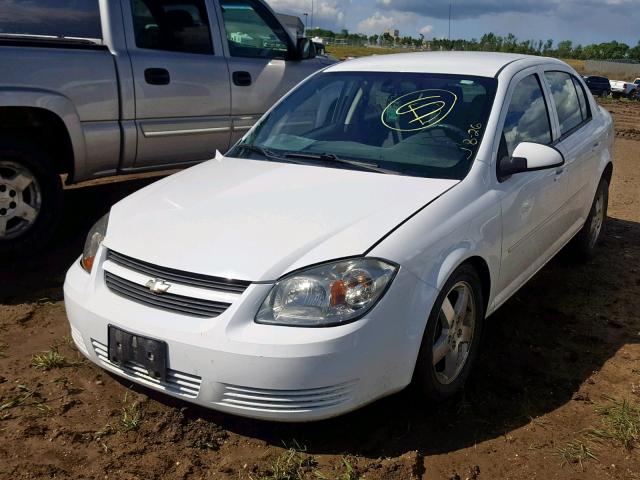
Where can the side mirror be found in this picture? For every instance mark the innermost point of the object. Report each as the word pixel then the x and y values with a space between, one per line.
pixel 529 157
pixel 305 49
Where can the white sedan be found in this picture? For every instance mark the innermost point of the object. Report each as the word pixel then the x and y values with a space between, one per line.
pixel 353 241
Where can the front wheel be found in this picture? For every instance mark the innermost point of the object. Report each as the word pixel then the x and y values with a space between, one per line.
pixel 452 336
pixel 30 197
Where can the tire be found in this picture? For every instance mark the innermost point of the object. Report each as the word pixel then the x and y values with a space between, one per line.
pixel 604 94
pixel 585 242
pixel 30 197
pixel 441 377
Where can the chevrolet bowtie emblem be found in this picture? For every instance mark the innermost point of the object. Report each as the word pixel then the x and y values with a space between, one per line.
pixel 157 285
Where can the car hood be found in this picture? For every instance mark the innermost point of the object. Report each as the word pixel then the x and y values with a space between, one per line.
pixel 257 220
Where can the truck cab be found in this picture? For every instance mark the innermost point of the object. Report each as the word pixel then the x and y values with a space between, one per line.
pixel 106 87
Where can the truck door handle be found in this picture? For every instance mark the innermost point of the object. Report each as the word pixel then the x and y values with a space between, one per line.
pixel 157 76
pixel 241 79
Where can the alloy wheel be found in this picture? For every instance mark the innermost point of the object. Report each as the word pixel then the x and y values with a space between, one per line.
pixel 20 199
pixel 454 333
pixel 597 220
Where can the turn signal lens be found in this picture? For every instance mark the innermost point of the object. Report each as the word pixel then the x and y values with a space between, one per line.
pixel 93 242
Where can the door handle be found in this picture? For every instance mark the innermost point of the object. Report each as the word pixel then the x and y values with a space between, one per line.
pixel 157 76
pixel 241 79
pixel 595 146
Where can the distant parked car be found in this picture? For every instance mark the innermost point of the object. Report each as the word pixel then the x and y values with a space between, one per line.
pixel 599 86
pixel 620 88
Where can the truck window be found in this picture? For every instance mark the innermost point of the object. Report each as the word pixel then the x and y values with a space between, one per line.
pixel 172 25
pixel 57 18
pixel 252 31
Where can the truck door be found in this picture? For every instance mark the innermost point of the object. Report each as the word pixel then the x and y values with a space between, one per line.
pixel 261 55
pixel 181 78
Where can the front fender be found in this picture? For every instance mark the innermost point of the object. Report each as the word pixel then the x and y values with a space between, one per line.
pixel 59 105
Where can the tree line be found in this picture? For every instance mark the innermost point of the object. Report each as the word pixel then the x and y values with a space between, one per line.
pixel 490 42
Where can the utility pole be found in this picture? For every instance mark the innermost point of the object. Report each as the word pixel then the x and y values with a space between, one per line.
pixel 449 21
pixel 306 22
pixel 311 13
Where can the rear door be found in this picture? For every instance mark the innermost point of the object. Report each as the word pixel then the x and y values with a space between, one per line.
pixel 578 140
pixel 183 97
pixel 261 64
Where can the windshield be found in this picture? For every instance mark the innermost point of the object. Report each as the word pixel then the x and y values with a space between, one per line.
pixel 408 123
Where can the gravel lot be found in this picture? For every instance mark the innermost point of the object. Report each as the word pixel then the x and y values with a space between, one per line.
pixel 555 395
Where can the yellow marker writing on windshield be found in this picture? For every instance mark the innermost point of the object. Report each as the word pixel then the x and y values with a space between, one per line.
pixel 418 110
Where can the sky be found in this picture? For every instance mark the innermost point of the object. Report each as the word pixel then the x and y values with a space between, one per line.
pixel 582 21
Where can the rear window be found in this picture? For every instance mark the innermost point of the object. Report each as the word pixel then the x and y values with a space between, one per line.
pixel 57 18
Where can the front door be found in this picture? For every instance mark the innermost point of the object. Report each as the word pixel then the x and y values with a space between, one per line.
pixel 261 65
pixel 531 201
pixel 181 78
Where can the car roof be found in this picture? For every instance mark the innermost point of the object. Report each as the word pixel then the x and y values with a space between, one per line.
pixel 482 64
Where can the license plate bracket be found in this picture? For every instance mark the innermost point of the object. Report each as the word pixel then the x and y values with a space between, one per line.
pixel 148 353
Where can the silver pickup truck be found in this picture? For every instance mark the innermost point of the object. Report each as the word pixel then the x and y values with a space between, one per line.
pixel 92 88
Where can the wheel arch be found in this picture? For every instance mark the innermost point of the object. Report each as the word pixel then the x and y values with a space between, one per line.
pixel 460 257
pixel 52 118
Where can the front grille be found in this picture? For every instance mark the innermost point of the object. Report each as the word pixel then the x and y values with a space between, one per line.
pixel 294 401
pixel 178 383
pixel 178 276
pixel 167 301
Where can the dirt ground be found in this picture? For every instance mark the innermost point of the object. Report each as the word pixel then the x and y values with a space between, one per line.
pixel 555 394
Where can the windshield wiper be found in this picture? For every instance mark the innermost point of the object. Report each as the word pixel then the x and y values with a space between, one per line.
pixel 330 157
pixel 266 153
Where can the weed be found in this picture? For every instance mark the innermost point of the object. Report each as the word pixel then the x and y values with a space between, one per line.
pixel 19 399
pixel 620 422
pixel 350 472
pixel 49 360
pixel 291 465
pixel 131 416
pixel 575 451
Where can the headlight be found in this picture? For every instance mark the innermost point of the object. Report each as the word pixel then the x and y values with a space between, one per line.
pixel 327 295
pixel 93 241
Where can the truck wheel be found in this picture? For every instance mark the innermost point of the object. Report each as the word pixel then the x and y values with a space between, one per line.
pixel 30 197
pixel 585 242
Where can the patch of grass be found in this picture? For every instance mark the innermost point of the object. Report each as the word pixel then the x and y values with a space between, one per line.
pixel 576 451
pixel 344 51
pixel 49 360
pixel 620 422
pixel 18 400
pixel 131 416
pixel 350 472
pixel 291 465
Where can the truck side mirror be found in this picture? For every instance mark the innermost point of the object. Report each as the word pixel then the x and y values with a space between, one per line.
pixel 305 49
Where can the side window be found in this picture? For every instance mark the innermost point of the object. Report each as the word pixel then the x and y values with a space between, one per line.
pixel 585 111
pixel 527 118
pixel 55 18
pixel 566 99
pixel 252 31
pixel 172 25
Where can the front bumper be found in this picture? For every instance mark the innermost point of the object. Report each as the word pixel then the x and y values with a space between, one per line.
pixel 232 364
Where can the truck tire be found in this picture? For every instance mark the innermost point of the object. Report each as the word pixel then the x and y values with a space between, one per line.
pixel 30 197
